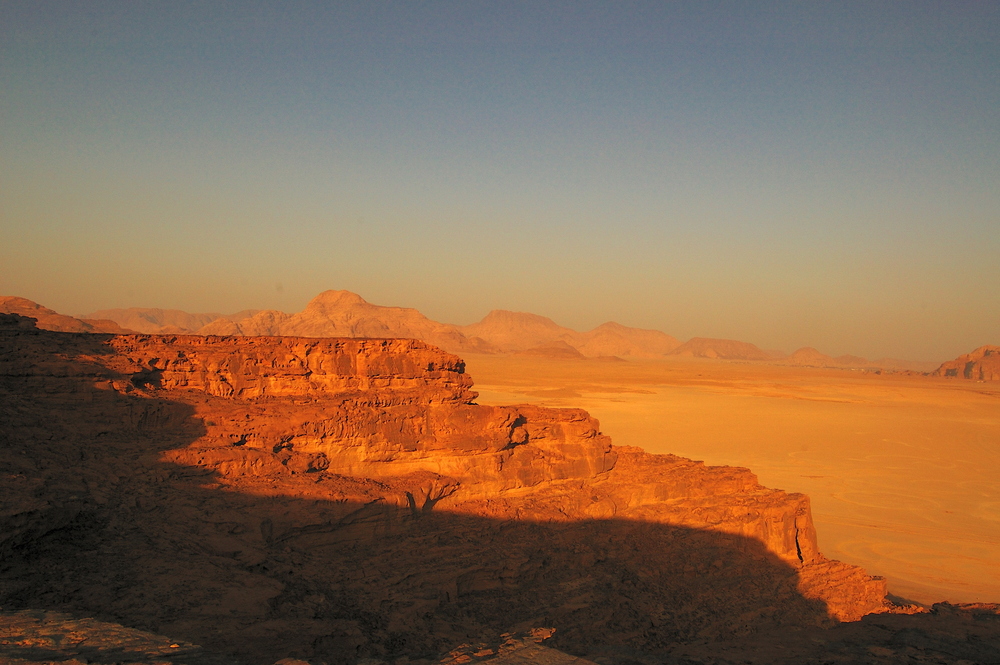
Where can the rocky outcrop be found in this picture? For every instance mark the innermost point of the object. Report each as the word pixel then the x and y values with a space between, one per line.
pixel 983 364
pixel 333 499
pixel 48 319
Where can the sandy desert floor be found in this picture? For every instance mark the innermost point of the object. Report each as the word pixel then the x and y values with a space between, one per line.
pixel 903 471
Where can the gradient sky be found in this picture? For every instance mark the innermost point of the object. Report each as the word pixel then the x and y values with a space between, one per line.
pixel 790 174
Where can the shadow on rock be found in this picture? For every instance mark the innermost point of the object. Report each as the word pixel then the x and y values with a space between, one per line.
pixel 321 566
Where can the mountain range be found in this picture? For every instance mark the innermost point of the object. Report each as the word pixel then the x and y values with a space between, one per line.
pixel 346 314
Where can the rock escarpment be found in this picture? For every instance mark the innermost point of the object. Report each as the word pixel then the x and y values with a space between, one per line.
pixel 983 364
pixel 334 499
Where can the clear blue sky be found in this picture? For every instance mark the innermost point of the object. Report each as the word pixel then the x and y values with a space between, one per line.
pixel 791 174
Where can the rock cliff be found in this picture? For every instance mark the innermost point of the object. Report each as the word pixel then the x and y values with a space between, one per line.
pixel 334 499
pixel 983 364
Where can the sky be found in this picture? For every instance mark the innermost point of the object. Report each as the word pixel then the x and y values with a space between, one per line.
pixel 791 174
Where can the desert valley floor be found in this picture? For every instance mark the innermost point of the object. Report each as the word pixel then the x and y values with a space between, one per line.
pixel 901 469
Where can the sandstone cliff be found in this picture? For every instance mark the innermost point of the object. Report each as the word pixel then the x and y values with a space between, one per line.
pixel 344 498
pixel 983 364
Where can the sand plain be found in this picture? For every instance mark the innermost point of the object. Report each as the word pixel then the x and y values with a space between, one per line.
pixel 903 471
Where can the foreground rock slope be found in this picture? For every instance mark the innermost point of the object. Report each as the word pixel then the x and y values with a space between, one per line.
pixel 334 499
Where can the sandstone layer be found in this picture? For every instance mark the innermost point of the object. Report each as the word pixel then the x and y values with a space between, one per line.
pixel 334 499
pixel 983 364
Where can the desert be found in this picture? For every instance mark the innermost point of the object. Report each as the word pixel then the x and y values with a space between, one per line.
pixel 499 333
pixel 331 498
pixel 900 467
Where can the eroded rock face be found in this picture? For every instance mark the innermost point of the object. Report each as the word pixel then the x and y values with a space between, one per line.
pixel 983 364
pixel 334 499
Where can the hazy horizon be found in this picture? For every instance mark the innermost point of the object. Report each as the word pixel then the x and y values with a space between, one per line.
pixel 681 339
pixel 779 173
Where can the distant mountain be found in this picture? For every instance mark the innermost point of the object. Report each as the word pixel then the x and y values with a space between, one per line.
pixel 48 319
pixel 727 349
pixel 808 357
pixel 153 320
pixel 614 339
pixel 346 314
pixel 266 322
pixel 517 331
pixel 520 331
pixel 983 364
pixel 556 349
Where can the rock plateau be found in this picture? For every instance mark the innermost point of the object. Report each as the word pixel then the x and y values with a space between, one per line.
pixel 339 499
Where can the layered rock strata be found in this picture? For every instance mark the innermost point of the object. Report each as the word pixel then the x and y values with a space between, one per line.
pixel 333 499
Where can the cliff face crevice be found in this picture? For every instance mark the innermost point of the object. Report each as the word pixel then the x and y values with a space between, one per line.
pixel 337 498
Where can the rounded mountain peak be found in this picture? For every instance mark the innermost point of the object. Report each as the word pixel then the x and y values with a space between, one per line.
pixel 336 299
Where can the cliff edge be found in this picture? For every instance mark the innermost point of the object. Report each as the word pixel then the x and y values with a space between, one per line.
pixel 336 499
